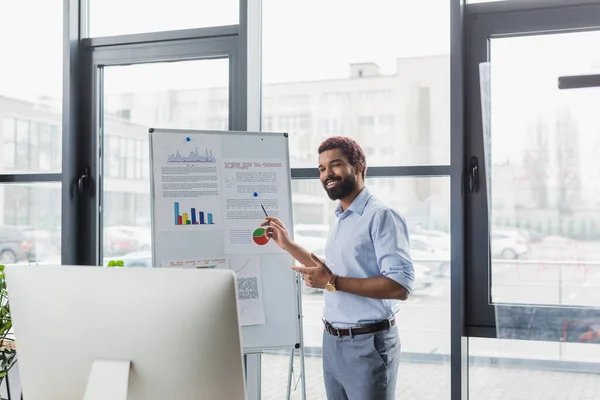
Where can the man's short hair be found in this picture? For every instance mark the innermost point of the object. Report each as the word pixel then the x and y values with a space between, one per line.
pixel 349 148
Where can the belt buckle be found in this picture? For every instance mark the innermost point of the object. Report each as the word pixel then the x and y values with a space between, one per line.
pixel 332 329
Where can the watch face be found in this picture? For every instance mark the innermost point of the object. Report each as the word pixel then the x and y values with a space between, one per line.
pixel 330 287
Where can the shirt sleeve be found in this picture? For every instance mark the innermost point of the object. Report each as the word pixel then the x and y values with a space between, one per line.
pixel 391 242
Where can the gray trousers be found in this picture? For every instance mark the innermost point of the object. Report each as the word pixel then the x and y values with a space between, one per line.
pixel 362 367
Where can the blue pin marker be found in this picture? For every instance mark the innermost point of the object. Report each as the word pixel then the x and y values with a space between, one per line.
pixel 188 139
pixel 255 194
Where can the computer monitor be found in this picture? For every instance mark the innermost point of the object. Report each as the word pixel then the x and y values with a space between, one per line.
pixel 149 333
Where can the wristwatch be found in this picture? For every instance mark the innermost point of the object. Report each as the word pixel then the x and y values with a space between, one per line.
pixel 330 286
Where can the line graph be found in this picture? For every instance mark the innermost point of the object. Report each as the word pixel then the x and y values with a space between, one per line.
pixel 193 157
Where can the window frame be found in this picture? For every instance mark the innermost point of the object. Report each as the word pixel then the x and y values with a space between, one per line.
pixel 483 22
pixel 184 45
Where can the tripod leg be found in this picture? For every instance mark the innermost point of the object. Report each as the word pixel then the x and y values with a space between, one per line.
pixel 290 373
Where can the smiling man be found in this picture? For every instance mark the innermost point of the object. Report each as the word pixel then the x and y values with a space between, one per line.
pixel 368 269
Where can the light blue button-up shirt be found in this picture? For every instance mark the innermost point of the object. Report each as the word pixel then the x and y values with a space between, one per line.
pixel 367 240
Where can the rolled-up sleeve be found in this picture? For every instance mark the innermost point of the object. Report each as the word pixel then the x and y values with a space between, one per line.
pixel 391 242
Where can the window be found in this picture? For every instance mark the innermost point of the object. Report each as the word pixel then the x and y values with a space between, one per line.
pixel 30 146
pixel 31 93
pixel 378 96
pixel 294 122
pixel 294 100
pixel 424 115
pixel 544 174
pixel 30 220
pixel 379 124
pixel 120 17
pixel 126 163
pixel 9 133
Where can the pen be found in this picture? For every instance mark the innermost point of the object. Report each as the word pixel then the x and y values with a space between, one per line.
pixel 265 211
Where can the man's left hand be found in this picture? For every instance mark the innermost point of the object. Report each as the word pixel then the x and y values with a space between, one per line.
pixel 315 277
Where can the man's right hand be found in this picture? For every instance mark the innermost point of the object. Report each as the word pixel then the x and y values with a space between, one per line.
pixel 277 231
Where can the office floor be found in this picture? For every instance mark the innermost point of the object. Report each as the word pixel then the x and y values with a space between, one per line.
pixel 424 381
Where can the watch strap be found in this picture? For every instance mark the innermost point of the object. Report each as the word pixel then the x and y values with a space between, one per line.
pixel 333 279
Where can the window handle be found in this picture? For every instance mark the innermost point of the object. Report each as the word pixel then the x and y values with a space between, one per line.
pixel 84 180
pixel 473 175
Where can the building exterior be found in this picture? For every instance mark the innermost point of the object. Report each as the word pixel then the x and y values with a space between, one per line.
pixel 399 119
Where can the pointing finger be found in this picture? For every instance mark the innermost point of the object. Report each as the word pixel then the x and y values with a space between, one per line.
pixel 275 225
pixel 303 270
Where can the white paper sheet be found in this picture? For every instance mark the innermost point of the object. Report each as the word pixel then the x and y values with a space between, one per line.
pixel 188 188
pixel 251 307
pixel 248 187
pixel 198 263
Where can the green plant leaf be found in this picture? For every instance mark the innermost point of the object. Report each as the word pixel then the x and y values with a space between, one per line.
pixel 8 357
pixel 116 263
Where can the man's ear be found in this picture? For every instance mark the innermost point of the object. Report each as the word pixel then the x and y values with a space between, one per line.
pixel 360 169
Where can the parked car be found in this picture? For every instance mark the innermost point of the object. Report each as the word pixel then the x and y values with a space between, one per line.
pixel 423 277
pixel 43 242
pixel 116 243
pixel 508 244
pixel 530 236
pixel 424 251
pixel 142 235
pixel 15 246
pixel 439 239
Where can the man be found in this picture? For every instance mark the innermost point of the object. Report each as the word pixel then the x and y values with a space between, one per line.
pixel 368 269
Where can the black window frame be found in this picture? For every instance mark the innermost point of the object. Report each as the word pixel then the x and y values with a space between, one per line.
pixel 482 23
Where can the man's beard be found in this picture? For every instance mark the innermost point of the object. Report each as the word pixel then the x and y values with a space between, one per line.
pixel 344 187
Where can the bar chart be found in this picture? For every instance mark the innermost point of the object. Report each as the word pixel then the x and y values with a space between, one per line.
pixel 193 217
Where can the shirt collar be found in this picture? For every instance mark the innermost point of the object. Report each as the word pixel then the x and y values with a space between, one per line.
pixel 358 204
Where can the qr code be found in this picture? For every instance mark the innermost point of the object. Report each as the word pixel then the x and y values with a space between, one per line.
pixel 247 288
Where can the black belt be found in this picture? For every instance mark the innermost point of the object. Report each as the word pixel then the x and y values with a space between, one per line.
pixel 360 330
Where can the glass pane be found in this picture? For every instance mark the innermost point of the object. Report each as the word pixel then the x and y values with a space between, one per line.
pixel 424 320
pixel 545 178
pixel 120 17
pixel 519 370
pixel 393 94
pixel 30 221
pixel 138 97
pixel 30 90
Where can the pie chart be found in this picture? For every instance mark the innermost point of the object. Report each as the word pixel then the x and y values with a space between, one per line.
pixel 260 237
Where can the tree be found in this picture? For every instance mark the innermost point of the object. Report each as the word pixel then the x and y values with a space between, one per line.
pixel 567 162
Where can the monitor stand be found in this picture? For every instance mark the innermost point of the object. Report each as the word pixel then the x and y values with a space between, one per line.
pixel 109 379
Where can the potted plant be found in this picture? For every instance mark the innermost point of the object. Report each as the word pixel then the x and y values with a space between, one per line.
pixel 8 353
